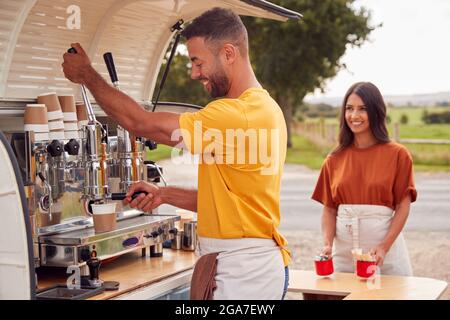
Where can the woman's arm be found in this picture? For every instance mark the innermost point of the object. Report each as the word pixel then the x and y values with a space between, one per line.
pixel 398 223
pixel 328 228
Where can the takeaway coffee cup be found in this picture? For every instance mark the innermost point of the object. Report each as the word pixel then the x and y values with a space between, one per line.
pixel 69 111
pixel 35 114
pixel 54 114
pixel 35 119
pixel 50 99
pixel 68 105
pixel 104 216
pixel 82 116
pixel 70 116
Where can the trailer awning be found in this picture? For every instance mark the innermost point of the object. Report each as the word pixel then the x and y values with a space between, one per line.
pixel 35 33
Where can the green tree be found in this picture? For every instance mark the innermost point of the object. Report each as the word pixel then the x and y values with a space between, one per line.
pixel 388 119
pixel 425 116
pixel 294 58
pixel 179 87
pixel 404 119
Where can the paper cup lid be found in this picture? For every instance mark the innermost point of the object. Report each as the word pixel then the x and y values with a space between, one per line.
pixel 105 208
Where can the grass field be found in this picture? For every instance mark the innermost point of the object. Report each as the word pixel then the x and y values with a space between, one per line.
pixel 306 153
pixel 162 152
pixel 414 113
pixel 423 131
pixel 427 157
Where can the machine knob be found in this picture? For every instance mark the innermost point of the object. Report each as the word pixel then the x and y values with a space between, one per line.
pixel 155 234
pixel 72 147
pixel 55 148
pixel 94 266
pixel 152 145
pixel 44 201
pixel 85 254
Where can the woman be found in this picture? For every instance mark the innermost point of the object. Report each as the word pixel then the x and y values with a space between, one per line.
pixel 366 186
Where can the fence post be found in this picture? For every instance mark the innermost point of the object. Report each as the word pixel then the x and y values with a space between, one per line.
pixel 322 127
pixel 333 133
pixel 396 131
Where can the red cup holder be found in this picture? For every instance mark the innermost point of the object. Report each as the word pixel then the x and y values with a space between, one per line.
pixel 365 269
pixel 324 268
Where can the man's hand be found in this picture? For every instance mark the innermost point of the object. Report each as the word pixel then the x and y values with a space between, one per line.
pixel 144 202
pixel 77 66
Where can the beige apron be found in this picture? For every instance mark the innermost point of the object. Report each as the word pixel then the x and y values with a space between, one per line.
pixel 247 268
pixel 365 226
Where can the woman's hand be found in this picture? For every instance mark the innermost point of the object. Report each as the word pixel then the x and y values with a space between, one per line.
pixel 326 251
pixel 379 253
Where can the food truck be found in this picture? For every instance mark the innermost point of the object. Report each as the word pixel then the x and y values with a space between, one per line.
pixel 60 161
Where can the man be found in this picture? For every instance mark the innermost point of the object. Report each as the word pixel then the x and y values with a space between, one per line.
pixel 239 186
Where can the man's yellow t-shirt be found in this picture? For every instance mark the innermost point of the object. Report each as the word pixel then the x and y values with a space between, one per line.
pixel 242 148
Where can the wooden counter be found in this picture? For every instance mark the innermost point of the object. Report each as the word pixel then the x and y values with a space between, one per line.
pixel 131 270
pixel 348 285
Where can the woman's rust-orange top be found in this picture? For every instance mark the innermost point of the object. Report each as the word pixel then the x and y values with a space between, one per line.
pixel 379 175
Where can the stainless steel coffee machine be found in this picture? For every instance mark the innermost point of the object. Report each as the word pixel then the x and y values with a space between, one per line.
pixel 63 178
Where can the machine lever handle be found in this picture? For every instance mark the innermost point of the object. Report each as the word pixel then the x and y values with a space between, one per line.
pixel 122 195
pixel 111 67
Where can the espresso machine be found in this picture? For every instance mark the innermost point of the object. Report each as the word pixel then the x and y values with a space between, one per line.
pixel 62 178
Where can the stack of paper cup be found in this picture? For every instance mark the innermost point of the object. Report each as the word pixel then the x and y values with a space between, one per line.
pixel 81 114
pixel 70 116
pixel 54 114
pixel 35 119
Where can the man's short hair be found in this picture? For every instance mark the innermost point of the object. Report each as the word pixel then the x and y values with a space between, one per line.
pixel 218 26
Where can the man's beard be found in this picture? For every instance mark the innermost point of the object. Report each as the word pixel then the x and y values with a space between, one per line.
pixel 219 82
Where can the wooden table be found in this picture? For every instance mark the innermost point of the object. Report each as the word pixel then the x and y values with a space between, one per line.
pixel 131 270
pixel 382 288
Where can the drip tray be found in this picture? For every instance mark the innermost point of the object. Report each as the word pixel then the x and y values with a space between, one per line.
pixel 61 292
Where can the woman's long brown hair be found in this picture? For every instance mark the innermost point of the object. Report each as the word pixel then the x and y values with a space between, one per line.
pixel 376 110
